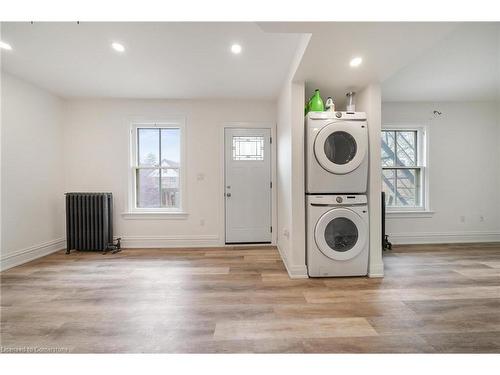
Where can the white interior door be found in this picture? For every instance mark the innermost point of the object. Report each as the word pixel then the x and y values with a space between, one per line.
pixel 248 185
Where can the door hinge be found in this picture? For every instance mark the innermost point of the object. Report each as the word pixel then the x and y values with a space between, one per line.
pixel 271 229
pixel 271 184
pixel 270 139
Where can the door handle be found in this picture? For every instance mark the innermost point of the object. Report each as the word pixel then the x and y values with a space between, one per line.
pixel 228 195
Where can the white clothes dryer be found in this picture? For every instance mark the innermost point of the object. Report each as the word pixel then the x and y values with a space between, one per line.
pixel 336 152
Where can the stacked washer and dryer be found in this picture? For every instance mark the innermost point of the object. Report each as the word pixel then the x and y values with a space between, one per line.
pixel 336 203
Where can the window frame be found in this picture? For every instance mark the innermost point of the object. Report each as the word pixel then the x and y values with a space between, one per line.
pixel 422 164
pixel 155 212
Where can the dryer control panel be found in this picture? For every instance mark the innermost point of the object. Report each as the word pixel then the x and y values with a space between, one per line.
pixel 339 115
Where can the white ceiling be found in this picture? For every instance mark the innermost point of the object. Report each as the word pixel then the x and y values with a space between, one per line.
pixel 385 47
pixel 415 61
pixel 464 66
pixel 162 60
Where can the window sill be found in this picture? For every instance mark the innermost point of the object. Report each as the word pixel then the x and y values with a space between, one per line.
pixel 155 215
pixel 409 214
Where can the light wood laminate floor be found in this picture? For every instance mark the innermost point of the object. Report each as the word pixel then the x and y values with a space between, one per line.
pixel 441 298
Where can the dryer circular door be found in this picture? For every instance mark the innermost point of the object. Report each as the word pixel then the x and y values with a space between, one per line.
pixel 341 234
pixel 340 147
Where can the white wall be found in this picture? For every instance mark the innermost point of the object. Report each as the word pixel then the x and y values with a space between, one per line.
pixel 464 162
pixel 369 100
pixel 32 172
pixel 96 152
pixel 284 171
pixel 290 176
pixel 290 169
pixel 298 179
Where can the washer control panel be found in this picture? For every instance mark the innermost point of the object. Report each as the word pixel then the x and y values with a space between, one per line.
pixel 337 199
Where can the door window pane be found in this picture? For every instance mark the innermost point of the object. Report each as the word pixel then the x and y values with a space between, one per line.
pixel 341 234
pixel 248 148
pixel 340 147
pixel 170 195
pixel 148 150
pixel 148 192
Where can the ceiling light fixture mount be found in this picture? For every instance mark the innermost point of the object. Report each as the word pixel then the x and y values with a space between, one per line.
pixel 118 47
pixel 236 49
pixel 355 62
pixel 6 46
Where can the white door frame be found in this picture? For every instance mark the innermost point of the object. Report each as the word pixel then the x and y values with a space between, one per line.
pixel 222 190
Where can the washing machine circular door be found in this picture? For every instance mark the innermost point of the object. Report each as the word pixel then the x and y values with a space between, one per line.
pixel 340 147
pixel 341 234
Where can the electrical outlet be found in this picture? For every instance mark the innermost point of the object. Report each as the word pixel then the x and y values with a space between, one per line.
pixel 202 222
pixel 481 218
pixel 462 219
pixel 286 233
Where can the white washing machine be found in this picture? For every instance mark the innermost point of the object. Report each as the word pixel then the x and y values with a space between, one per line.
pixel 337 235
pixel 336 152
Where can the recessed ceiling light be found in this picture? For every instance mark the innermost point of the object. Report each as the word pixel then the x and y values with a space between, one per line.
pixel 6 46
pixel 236 49
pixel 356 62
pixel 118 47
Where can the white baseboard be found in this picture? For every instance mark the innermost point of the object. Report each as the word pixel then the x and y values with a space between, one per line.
pixel 298 272
pixel 31 253
pixel 206 240
pixel 294 271
pixel 444 237
pixel 376 270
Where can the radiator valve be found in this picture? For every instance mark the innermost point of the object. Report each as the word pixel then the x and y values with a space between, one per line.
pixel 114 247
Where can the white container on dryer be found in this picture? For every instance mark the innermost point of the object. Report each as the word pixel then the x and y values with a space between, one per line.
pixel 336 152
pixel 337 235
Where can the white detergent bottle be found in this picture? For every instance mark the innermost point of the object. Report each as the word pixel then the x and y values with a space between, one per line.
pixel 330 105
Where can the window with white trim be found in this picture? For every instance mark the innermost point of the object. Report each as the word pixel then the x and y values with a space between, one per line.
pixel 404 176
pixel 157 170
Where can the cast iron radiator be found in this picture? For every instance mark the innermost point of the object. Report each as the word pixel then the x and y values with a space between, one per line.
pixel 386 245
pixel 89 221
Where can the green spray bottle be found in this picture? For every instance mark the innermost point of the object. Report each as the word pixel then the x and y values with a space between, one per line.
pixel 316 103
